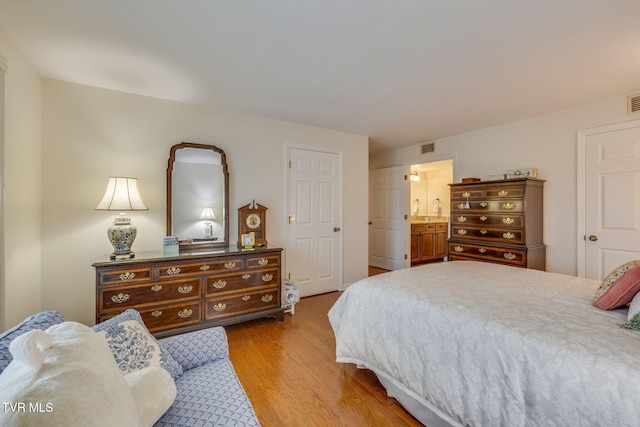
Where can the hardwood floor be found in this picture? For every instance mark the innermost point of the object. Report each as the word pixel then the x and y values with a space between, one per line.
pixel 289 371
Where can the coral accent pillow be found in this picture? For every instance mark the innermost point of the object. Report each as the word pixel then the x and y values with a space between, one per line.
pixel 619 287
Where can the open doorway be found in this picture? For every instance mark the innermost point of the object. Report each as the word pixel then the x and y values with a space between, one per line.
pixel 429 207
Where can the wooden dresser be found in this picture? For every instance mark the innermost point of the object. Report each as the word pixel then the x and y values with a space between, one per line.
pixel 180 293
pixel 498 221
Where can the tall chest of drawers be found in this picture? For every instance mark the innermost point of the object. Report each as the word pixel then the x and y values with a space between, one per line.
pixel 185 292
pixel 498 221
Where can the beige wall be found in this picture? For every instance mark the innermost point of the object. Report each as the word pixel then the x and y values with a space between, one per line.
pixel 22 178
pixel 546 142
pixel 90 134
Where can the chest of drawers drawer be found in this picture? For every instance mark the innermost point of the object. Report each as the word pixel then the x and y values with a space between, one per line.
pixel 199 268
pixel 242 280
pixel 241 303
pixel 488 220
pixel 119 297
pixel 120 276
pixel 491 253
pixel 488 234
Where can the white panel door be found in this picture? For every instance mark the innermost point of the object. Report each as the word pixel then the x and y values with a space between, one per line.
pixel 612 198
pixel 386 218
pixel 313 252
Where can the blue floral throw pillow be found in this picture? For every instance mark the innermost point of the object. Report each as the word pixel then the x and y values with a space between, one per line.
pixel 133 346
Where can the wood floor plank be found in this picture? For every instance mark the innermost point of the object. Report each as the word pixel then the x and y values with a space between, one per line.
pixel 289 371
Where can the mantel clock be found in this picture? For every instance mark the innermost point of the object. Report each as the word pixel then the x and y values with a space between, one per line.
pixel 252 218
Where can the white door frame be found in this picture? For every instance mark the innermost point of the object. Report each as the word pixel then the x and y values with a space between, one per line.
pixel 287 148
pixel 581 187
pixel 407 208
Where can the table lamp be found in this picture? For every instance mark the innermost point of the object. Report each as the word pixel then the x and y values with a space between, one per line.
pixel 207 215
pixel 122 195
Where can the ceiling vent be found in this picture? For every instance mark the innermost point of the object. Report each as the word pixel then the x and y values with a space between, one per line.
pixel 428 147
pixel 633 104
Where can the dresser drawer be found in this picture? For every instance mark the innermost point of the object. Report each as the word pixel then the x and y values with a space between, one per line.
pixel 164 316
pixel 242 303
pixel 464 194
pixel 242 280
pixel 488 220
pixel 482 252
pixel 487 205
pixel 511 236
pixel 171 315
pixel 502 192
pixel 262 261
pixel 122 276
pixel 148 293
pixel 200 267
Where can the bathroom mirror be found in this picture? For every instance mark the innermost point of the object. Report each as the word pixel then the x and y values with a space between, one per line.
pixel 198 196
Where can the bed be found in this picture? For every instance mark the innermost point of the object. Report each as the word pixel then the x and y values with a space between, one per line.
pixel 468 343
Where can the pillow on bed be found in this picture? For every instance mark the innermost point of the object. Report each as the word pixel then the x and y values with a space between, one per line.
pixel 619 287
pixel 633 317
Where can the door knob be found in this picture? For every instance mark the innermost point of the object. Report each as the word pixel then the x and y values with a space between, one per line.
pixel 336 229
pixel 593 238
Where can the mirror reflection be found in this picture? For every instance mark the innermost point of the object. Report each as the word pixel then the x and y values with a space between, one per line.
pixel 197 195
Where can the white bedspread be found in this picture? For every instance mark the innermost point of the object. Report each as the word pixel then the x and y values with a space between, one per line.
pixel 491 345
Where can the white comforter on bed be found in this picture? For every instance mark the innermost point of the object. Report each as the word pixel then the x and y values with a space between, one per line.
pixel 492 345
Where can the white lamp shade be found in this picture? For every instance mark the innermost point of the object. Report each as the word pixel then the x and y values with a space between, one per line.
pixel 207 213
pixel 122 194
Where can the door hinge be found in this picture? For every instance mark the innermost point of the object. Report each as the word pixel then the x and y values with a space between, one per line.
pixel 406 217
pixel 405 256
pixel 289 164
pixel 406 177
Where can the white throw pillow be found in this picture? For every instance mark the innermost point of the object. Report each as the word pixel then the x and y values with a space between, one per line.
pixel 67 376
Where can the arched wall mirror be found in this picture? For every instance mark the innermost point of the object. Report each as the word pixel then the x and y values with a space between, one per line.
pixel 198 196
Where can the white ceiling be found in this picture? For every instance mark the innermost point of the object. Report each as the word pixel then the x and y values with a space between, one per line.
pixel 401 72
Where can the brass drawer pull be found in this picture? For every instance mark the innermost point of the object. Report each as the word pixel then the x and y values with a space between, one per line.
pixel 229 265
pixel 185 314
pixel 185 289
pixel 483 218
pixel 173 271
pixel 462 231
pixel 262 262
pixel 462 219
pixel 460 205
pixel 246 298
pixel 219 284
pixel 246 276
pixel 458 248
pixel 484 204
pixel 220 307
pixel 267 298
pixel 482 250
pixel 510 256
pixel 508 206
pixel 204 267
pixel 120 298
pixel 483 231
pixel 267 277
pixel 127 276
pixel 466 194
pixel 508 221
pixel 502 193
pixel 156 313
pixel 508 235
pixel 156 288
